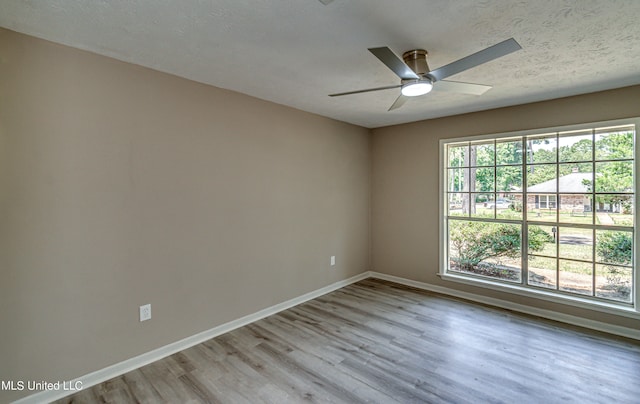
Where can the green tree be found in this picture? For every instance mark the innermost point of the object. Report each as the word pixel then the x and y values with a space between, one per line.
pixel 581 150
pixel 615 146
pixel 614 176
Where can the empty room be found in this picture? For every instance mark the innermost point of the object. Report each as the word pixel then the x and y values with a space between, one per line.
pixel 326 201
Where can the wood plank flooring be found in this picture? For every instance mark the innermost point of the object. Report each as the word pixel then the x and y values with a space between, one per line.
pixel 379 342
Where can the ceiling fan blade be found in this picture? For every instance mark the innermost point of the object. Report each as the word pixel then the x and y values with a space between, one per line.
pixel 365 91
pixel 460 87
pixel 398 102
pixel 325 2
pixel 393 62
pixel 486 55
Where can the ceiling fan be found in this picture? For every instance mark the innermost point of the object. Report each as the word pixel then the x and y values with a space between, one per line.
pixel 417 79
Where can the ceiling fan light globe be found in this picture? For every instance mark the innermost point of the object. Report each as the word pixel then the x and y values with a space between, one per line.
pixel 417 88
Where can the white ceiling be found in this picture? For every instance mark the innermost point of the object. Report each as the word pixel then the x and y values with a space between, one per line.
pixel 295 52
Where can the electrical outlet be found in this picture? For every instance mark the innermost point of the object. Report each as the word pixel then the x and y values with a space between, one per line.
pixel 333 260
pixel 145 312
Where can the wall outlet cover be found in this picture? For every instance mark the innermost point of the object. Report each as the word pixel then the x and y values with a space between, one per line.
pixel 145 312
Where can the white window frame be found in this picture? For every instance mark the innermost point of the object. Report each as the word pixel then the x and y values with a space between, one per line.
pixel 631 311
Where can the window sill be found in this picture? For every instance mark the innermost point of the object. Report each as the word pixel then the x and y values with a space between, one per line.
pixel 605 307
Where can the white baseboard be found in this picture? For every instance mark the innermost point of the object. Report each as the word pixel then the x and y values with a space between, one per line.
pixel 128 365
pixel 548 314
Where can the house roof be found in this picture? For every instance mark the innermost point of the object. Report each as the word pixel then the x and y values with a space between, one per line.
pixel 570 183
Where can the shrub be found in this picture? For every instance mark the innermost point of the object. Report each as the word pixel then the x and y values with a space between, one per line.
pixel 615 247
pixel 516 206
pixel 538 237
pixel 477 241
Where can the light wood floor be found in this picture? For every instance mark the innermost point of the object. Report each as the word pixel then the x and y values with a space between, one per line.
pixel 380 342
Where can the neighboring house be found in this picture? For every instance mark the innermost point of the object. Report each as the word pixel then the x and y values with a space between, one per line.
pixel 574 193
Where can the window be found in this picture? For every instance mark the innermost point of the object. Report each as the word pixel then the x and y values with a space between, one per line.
pixel 545 201
pixel 547 212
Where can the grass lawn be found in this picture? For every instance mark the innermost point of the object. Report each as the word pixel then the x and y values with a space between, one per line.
pixel 621 219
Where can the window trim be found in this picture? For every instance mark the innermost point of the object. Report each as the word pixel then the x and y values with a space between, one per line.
pixel 632 311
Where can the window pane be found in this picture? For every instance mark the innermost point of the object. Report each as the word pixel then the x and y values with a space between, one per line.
pixel 614 282
pixel 542 272
pixel 575 178
pixel 576 146
pixel 509 178
pixel 458 179
pixel 614 210
pixel 615 144
pixel 485 249
pixel 542 208
pixel 484 205
pixel 542 149
pixel 509 206
pixel 576 208
pixel 614 247
pixel 541 179
pixel 542 240
pixel 576 243
pixel 576 277
pixel 457 155
pixel 482 179
pixel 614 176
pixel 484 153
pixel 509 151
pixel 456 203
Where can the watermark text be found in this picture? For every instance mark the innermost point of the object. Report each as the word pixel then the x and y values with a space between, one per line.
pixel 39 385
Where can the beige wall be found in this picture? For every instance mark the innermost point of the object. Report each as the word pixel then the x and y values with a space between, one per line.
pixel 121 186
pixel 405 183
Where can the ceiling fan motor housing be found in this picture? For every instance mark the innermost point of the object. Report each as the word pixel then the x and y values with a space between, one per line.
pixel 417 60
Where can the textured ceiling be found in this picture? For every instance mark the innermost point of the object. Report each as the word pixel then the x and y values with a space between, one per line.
pixel 295 52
